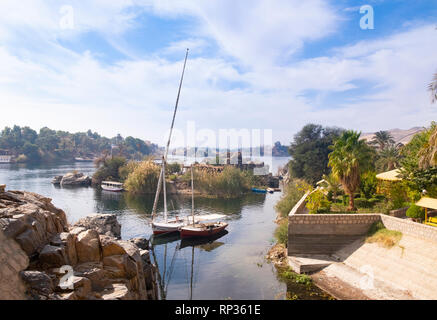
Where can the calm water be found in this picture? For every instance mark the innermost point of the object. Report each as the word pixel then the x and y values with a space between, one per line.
pixel 230 267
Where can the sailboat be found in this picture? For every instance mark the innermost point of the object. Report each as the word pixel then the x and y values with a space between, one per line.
pixel 196 228
pixel 167 225
pixel 175 224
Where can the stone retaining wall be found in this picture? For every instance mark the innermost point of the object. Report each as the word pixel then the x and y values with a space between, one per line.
pixel 326 233
pixel 410 228
pixel 399 213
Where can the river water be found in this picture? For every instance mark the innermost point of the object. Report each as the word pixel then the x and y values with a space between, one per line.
pixel 230 267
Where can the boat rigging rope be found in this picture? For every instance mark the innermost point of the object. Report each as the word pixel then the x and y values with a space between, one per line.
pixel 164 158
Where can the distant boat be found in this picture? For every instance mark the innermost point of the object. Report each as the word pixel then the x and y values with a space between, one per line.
pixel 78 159
pixel 112 186
pixel 256 190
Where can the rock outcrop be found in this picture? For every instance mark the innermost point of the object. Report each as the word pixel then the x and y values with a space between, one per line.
pixel 106 224
pixel 42 257
pixel 72 179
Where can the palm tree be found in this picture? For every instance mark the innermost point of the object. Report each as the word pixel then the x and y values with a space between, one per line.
pixel 350 156
pixel 382 139
pixel 428 153
pixel 389 158
pixel 433 88
pixel 331 183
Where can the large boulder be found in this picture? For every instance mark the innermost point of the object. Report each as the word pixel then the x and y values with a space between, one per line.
pixel 82 287
pixel 75 179
pixel 95 272
pixel 105 224
pixel 88 246
pixel 68 242
pixel 38 283
pixel 52 256
pixel 110 246
pixel 141 243
pixel 117 291
pixel 57 180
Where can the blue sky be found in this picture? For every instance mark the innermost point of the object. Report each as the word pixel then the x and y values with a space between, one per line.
pixel 113 66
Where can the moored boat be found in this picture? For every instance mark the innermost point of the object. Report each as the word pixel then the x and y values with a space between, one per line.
pixel 256 190
pixel 112 186
pixel 202 229
pixel 168 226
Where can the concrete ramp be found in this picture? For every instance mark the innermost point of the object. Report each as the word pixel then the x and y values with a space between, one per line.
pixel 409 266
pixel 309 264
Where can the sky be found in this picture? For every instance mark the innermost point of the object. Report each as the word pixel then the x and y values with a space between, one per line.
pixel 113 66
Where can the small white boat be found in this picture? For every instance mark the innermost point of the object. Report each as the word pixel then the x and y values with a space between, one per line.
pixel 112 186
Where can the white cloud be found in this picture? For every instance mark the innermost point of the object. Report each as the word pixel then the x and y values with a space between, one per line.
pixel 45 84
pixel 257 32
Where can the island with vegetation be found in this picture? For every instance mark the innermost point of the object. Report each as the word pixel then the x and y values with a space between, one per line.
pixel 27 145
pixel 141 177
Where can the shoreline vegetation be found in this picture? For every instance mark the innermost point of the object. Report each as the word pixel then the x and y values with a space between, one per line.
pixel 343 179
pixel 26 145
pixel 142 178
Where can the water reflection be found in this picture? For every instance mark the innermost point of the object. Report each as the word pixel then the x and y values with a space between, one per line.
pixel 166 268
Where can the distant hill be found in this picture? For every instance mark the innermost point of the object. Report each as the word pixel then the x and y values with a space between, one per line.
pixel 399 135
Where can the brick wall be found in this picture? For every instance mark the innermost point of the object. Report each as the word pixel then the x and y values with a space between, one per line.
pixel 410 228
pixel 12 260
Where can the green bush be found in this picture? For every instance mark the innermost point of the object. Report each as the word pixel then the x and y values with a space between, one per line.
pixel 373 201
pixel 230 183
pixel 293 192
pixel 397 194
pixel 281 232
pixel 363 203
pixel 173 168
pixel 317 202
pixel 345 199
pixel 109 169
pixel 144 178
pixel 289 275
pixel 368 184
pixel 416 212
pixel 128 168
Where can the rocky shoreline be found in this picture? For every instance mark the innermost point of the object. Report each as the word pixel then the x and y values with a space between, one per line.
pixel 42 257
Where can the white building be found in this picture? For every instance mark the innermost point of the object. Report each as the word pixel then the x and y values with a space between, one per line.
pixel 5 159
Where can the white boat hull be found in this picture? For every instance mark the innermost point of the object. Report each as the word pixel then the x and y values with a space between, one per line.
pixel 113 189
pixel 167 227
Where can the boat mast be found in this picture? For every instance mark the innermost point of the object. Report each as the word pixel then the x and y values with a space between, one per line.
pixel 192 194
pixel 164 159
pixel 192 273
pixel 164 190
